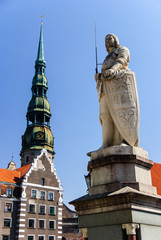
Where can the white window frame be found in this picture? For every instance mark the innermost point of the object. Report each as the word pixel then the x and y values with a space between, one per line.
pixel 44 224
pixel 10 222
pixel 54 224
pixel 41 236
pixel 51 236
pixel 49 210
pixel 30 235
pixel 29 208
pixel 11 207
pixel 40 194
pixel 11 194
pixel 39 209
pixel 34 223
pixel 36 193
pixel 48 196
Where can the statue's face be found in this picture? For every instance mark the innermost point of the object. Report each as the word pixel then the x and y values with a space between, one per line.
pixel 109 41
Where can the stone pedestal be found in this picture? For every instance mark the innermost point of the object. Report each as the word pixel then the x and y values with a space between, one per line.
pixel 116 167
pixel 121 202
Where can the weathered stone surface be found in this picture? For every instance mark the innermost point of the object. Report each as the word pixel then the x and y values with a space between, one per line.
pixel 118 150
pixel 118 97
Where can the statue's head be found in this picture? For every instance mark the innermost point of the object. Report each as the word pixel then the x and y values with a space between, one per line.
pixel 111 41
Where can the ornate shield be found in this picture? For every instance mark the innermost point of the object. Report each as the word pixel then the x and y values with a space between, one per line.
pixel 122 99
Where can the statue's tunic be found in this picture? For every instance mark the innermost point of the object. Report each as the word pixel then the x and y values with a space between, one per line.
pixel 119 107
pixel 120 55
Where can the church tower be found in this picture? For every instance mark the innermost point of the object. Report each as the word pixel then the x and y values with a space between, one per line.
pixel 38 134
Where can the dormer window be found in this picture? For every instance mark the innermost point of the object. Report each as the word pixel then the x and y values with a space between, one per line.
pixel 9 192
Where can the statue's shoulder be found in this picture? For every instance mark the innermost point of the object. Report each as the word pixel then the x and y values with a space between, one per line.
pixel 122 52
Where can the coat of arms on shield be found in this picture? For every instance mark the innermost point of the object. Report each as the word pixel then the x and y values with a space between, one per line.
pixel 122 100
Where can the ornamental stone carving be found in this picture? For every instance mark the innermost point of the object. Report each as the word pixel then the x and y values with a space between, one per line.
pixel 118 97
pixel 130 228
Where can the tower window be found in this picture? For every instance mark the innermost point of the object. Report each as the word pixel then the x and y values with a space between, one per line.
pixel 40 91
pixel 42 181
pixel 27 159
pixel 35 91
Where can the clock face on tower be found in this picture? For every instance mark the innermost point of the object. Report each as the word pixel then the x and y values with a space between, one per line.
pixel 39 135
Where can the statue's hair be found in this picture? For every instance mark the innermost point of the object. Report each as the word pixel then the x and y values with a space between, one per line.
pixel 116 39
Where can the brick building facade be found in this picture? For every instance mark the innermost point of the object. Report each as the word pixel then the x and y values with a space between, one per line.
pixel 31 201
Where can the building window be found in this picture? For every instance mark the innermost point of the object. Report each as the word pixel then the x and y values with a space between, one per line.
pixel 51 210
pixel 31 237
pixel 8 207
pixel 33 193
pixel 42 209
pixel 42 194
pixel 42 223
pixel 31 223
pixel 27 159
pixel 51 238
pixel 51 224
pixel 7 222
pixel 9 192
pixel 42 181
pixel 50 196
pixel 32 208
pixel 5 237
pixel 41 237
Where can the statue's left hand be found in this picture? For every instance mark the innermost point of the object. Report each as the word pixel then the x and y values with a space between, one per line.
pixel 108 73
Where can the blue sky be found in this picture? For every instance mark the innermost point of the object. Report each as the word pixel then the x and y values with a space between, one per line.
pixel 70 57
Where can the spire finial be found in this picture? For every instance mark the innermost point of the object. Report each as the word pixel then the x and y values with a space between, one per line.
pixel 40 54
pixel 41 19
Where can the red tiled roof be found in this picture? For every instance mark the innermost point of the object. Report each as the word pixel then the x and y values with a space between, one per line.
pixel 13 176
pixel 9 176
pixel 156 177
pixel 23 169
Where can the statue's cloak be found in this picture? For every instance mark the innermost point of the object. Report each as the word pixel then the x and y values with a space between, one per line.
pixel 122 99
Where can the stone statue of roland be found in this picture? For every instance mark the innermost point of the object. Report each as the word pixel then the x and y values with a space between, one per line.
pixel 118 97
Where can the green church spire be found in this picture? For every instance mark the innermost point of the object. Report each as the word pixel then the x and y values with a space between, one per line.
pixel 40 54
pixel 38 134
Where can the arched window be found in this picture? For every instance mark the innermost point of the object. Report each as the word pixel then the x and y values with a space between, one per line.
pixel 27 159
